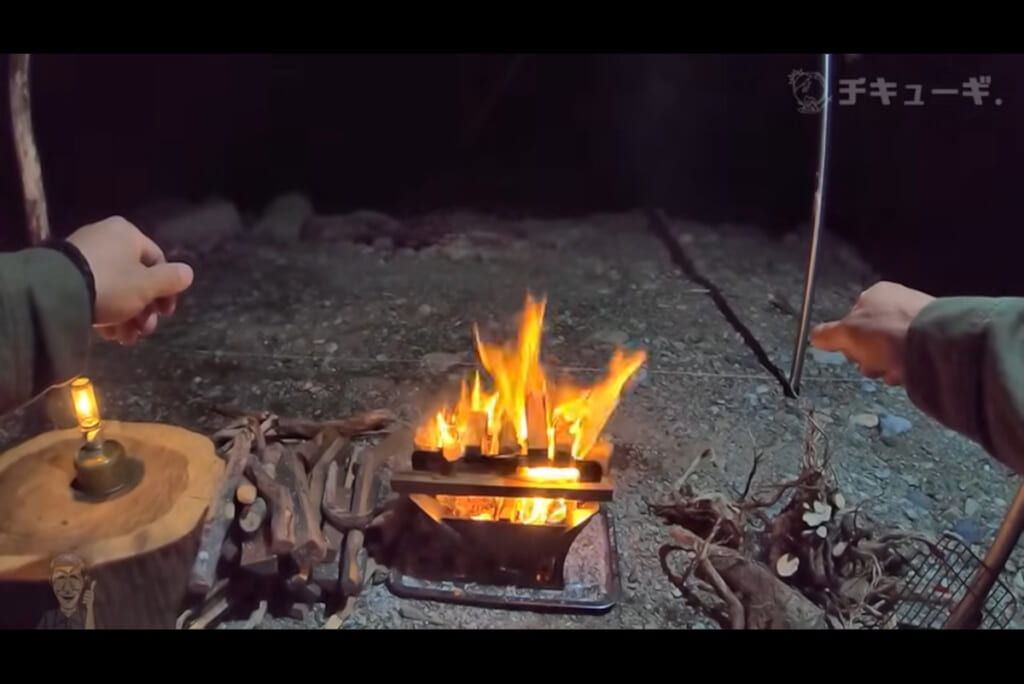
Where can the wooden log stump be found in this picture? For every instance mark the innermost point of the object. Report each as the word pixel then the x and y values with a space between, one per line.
pixel 133 552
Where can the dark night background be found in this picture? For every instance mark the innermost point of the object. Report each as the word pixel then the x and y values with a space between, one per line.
pixel 928 194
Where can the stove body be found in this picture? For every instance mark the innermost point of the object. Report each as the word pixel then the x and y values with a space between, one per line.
pixel 512 532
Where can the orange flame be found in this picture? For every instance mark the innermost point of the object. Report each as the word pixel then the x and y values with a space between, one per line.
pixel 526 410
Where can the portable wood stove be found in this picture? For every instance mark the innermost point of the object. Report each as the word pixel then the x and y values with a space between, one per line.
pixel 511 530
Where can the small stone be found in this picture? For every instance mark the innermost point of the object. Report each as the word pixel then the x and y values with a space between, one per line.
pixel 868 420
pixel 893 425
pixel 828 358
pixel 911 480
pixel 968 530
pixel 998 502
pixel 868 386
pixel 919 499
pixel 424 310
pixel 676 593
pixel 614 337
pixel 762 389
pixel 912 513
pixel 331 347
pixel 441 362
pixel 971 507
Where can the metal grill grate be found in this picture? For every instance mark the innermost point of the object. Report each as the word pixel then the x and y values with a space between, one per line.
pixel 939 577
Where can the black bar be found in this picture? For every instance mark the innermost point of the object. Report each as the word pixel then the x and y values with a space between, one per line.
pixel 475 484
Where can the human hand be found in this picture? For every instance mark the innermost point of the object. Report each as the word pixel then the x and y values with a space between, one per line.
pixel 873 333
pixel 89 595
pixel 134 282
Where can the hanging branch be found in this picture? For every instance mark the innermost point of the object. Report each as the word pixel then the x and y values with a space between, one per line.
pixel 25 145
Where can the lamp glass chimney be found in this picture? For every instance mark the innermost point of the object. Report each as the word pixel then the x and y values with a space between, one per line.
pixel 86 410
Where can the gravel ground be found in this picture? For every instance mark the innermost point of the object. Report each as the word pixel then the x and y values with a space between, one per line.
pixel 325 330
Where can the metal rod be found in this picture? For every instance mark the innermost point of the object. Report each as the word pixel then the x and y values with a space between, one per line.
pixel 967 613
pixel 818 212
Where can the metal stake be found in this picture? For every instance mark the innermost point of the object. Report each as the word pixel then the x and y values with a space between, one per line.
pixel 812 257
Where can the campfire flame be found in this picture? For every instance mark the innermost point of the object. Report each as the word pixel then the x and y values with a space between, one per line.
pixel 527 411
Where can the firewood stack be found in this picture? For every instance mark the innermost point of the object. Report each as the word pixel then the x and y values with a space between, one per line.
pixel 288 517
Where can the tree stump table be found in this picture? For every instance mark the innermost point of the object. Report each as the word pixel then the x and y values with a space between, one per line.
pixel 133 552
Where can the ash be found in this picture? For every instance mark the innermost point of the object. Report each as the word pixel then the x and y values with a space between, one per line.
pixel 326 329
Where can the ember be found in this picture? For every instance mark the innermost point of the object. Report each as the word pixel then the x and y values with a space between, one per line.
pixel 552 425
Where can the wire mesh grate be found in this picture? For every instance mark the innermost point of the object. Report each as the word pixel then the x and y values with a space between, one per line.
pixel 938 578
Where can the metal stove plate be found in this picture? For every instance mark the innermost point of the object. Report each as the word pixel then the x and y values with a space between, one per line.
pixel 591 580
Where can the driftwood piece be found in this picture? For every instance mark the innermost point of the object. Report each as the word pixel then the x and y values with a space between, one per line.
pixel 766 602
pixel 252 516
pixel 257 557
pixel 310 545
pixel 370 421
pixel 33 193
pixel 246 493
pixel 215 528
pixel 282 509
pixel 339 449
pixel 324 490
pixel 353 557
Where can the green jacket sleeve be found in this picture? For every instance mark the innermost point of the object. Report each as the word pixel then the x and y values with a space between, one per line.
pixel 964 367
pixel 45 323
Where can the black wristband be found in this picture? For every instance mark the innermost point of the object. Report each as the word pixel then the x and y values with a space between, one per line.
pixel 78 259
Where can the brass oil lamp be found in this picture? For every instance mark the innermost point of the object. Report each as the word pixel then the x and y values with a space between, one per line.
pixel 103 468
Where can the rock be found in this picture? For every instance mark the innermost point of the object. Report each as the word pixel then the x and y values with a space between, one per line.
pixel 868 420
pixel 969 531
pixel 331 347
pixel 441 362
pixel 919 499
pixel 868 386
pixel 614 337
pixel 828 358
pixel 762 389
pixel 284 219
pixel 200 228
pixel 971 507
pixel 891 426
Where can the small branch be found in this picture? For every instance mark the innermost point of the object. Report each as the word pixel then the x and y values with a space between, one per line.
pixel 217 521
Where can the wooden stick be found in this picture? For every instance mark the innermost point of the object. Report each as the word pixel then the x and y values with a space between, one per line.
pixel 257 558
pixel 310 545
pixel 215 527
pixel 327 573
pixel 353 558
pixel 253 516
pixel 282 509
pixel 370 421
pixel 339 449
pixel 246 493
pixel 25 146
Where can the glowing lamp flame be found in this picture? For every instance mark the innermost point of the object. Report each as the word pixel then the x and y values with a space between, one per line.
pixel 86 409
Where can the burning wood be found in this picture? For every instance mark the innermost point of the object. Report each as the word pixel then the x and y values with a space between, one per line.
pixel 813 564
pixel 533 430
pixel 273 520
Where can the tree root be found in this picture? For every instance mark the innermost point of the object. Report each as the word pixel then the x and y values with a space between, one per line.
pixel 814 563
